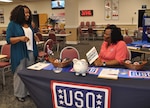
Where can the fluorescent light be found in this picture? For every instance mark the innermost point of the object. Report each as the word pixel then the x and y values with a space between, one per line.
pixel 6 0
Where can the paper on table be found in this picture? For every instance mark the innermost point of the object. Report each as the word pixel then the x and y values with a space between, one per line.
pixel 38 66
pixel 92 55
pixel 132 47
pixel 146 45
pixel 109 73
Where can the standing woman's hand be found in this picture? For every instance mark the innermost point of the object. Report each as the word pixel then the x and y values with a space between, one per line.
pixel 24 39
pixel 15 40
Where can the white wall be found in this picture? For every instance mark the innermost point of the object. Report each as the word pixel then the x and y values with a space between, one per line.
pixel 127 10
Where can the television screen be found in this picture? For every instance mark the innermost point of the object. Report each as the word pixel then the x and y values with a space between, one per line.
pixel 58 4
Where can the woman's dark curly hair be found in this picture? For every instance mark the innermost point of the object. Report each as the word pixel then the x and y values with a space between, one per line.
pixel 115 33
pixel 18 16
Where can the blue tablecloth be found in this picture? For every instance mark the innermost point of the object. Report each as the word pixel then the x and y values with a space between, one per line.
pixel 139 43
pixel 123 73
pixel 125 92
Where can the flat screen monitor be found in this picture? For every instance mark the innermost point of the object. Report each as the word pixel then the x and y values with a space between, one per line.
pixel 58 4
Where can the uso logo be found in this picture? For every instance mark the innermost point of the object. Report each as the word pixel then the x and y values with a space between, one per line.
pixel 75 95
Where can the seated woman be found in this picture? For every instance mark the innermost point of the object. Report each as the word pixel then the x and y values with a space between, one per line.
pixel 113 50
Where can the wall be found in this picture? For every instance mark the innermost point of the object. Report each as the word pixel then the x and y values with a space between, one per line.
pixel 127 10
pixel 43 6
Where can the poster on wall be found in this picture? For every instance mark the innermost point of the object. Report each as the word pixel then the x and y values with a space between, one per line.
pixel 111 9
pixel 115 15
pixel 115 4
pixel 107 14
pixel 58 17
pixel 115 9
pixel 1 16
pixel 107 9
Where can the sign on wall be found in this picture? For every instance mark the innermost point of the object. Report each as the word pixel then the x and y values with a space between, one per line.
pixel 111 9
pixel 75 95
pixel 86 12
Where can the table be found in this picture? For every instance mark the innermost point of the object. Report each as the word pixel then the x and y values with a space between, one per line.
pixel 125 93
pixel 3 42
pixel 58 35
pixel 2 56
pixel 136 47
pixel 40 45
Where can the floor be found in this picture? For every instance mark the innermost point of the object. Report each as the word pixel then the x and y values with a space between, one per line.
pixel 7 99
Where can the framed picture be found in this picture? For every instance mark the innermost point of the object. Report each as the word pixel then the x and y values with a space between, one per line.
pixel 111 9
pixel 107 14
pixel 1 16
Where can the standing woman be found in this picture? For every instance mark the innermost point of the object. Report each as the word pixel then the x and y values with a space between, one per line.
pixel 23 46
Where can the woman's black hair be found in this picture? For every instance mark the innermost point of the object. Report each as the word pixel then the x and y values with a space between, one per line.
pixel 115 33
pixel 18 16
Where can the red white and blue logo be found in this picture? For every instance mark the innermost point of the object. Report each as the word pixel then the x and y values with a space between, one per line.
pixel 75 95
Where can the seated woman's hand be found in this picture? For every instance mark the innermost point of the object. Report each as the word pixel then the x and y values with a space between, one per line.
pixel 98 62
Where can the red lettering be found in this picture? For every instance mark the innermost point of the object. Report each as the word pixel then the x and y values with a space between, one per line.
pixel 86 13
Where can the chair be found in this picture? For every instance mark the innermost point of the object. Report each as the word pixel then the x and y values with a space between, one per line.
pixel 93 24
pixel 82 24
pixel 100 35
pixel 87 24
pixel 48 46
pixel 69 52
pixel 62 39
pixel 62 31
pixel 55 41
pixel 40 38
pixel 130 55
pixel 83 34
pixel 5 66
pixel 39 35
pixel 91 33
pixel 129 40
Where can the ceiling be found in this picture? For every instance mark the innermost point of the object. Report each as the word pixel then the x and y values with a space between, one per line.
pixel 18 1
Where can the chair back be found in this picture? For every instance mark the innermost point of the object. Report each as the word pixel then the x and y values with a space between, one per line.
pixel 90 30
pixel 82 24
pixel 39 35
pixel 5 50
pixel 53 37
pixel 69 52
pixel 87 24
pixel 128 39
pixel 130 55
pixel 48 45
pixel 62 31
pixel 93 23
